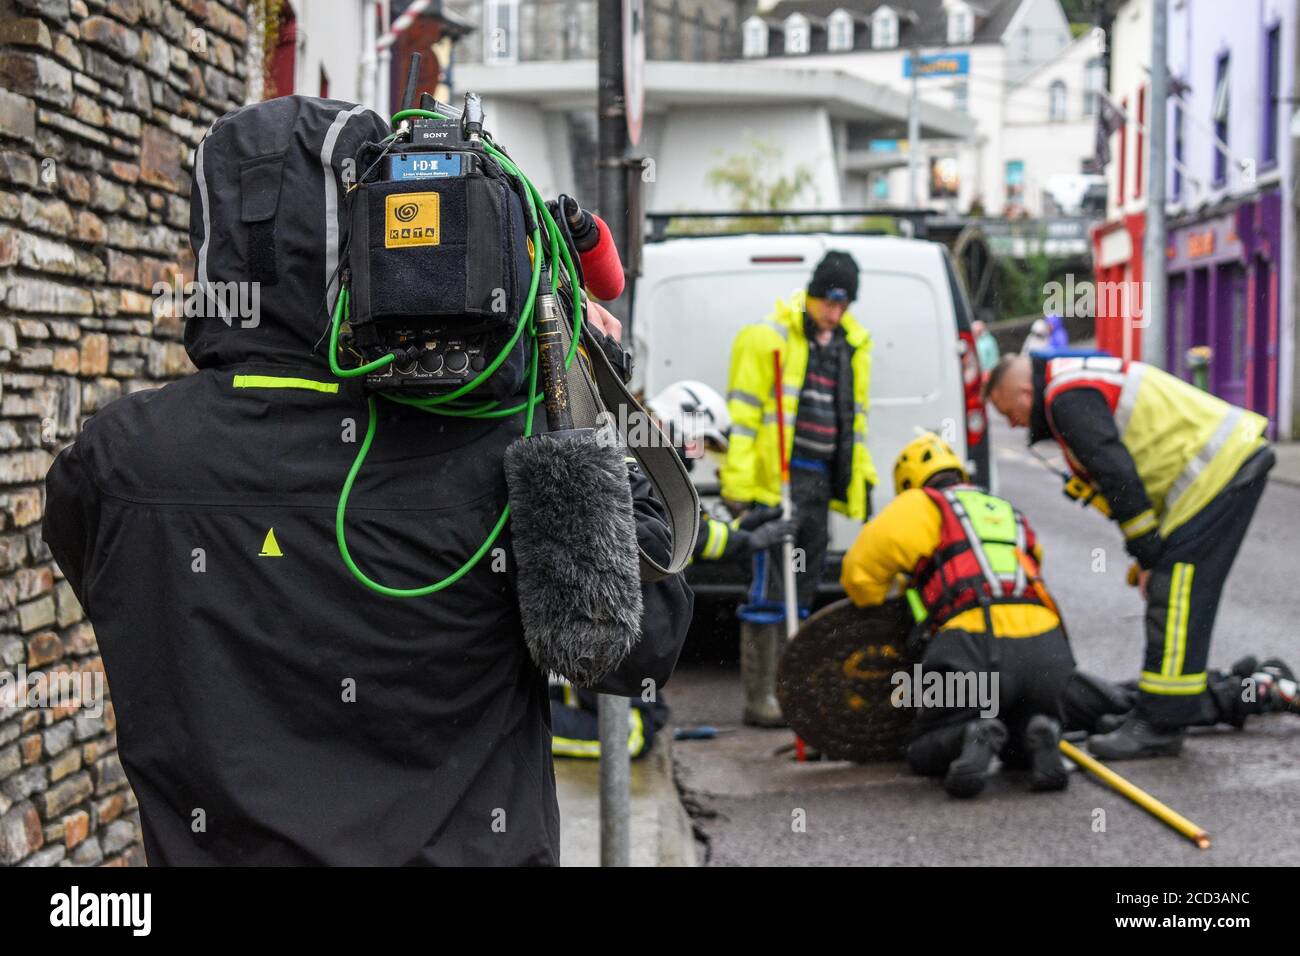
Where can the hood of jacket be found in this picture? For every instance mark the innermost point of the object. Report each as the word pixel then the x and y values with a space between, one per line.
pixel 268 226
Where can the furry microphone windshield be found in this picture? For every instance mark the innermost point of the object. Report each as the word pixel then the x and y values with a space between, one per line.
pixel 574 539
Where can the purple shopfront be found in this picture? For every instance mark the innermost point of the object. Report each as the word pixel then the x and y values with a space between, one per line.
pixel 1224 289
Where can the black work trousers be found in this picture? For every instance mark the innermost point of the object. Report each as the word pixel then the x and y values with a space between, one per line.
pixel 1032 674
pixel 810 494
pixel 1183 595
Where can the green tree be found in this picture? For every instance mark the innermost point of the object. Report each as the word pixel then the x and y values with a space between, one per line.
pixel 1020 286
pixel 751 181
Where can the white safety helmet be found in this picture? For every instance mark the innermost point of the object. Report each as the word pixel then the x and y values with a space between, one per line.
pixel 692 413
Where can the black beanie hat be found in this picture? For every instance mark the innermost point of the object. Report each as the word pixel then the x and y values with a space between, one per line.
pixel 837 270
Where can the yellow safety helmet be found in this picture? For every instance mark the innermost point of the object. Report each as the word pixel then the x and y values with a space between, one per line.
pixel 921 459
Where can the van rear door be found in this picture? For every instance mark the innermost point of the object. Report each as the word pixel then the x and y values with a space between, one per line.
pixel 695 295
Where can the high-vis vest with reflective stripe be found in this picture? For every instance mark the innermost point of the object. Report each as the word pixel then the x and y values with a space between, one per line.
pixel 1186 443
pixel 752 471
pixel 976 562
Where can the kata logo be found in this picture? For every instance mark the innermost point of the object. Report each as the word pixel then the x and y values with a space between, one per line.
pixel 411 219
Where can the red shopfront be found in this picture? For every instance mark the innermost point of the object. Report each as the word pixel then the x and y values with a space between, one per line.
pixel 1117 252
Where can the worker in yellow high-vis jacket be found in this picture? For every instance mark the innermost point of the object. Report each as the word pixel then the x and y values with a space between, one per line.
pixel 1181 472
pixel 826 371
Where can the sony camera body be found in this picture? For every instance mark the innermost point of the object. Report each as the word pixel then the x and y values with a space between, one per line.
pixel 440 263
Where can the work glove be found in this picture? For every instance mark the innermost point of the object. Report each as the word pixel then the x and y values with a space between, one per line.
pixel 737 509
pixel 774 532
pixel 619 357
pixel 757 516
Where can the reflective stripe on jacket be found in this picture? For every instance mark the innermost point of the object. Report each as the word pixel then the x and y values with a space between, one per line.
pixel 1185 443
pixel 752 471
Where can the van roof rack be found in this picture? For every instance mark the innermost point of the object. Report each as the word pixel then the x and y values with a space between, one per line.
pixel 915 220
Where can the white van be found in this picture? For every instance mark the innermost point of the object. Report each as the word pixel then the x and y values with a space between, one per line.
pixel 695 294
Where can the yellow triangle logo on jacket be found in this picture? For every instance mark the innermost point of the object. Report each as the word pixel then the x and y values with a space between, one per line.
pixel 752 471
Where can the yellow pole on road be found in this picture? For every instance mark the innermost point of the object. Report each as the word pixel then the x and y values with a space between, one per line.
pixel 1139 796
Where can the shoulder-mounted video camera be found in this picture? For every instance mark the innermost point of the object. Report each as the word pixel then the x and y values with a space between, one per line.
pixel 439 260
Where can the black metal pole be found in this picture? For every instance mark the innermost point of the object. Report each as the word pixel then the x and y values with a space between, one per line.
pixel 611 131
pixel 611 121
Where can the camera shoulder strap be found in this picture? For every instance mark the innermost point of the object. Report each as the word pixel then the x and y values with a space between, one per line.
pixel 662 466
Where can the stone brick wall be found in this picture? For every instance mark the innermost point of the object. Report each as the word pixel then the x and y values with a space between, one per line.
pixel 101 105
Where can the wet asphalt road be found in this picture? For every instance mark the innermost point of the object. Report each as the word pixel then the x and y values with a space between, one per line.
pixel 1243 787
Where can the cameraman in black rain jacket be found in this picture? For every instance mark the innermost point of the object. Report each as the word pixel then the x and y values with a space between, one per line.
pixel 270 709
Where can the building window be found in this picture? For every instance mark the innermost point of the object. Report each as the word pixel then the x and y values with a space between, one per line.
pixel 961 25
pixel 501 31
pixel 1236 279
pixel 755 42
pixel 1141 143
pixel 796 34
pixel 961 97
pixel 839 31
pixel 1123 153
pixel 284 59
pixel 1176 336
pixel 572 33
pixel 1056 101
pixel 1177 191
pixel 1094 81
pixel 1272 92
pixel 1015 182
pixel 1220 117
pixel 884 29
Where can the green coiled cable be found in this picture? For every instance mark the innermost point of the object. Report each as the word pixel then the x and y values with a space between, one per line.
pixel 440 404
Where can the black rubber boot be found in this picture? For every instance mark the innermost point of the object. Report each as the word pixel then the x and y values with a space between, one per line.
pixel 981 741
pixel 1136 739
pixel 761 646
pixel 1043 741
pixel 1108 722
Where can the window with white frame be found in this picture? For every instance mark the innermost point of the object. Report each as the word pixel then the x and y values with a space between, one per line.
pixel 961 24
pixel 1056 101
pixel 839 31
pixel 796 33
pixel 884 29
pixel 501 31
pixel 961 97
pixel 755 37
pixel 1094 82
pixel 1222 104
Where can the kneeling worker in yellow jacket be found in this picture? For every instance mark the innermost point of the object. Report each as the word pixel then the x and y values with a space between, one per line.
pixel 994 645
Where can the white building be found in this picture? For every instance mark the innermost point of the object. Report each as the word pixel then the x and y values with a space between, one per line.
pixel 538 85
pixel 316 51
pixel 1011 65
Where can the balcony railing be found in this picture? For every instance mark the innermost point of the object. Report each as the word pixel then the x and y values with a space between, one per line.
pixel 553 30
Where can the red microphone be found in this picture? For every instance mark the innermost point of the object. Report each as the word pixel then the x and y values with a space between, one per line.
pixel 601 265
pixel 602 268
